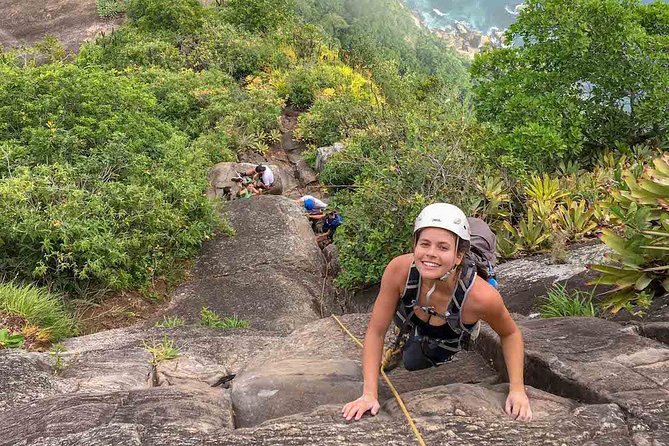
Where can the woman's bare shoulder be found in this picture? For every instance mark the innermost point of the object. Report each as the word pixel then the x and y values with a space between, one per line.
pixel 483 297
pixel 397 269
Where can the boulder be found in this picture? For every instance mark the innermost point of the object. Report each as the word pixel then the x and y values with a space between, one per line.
pixel 293 386
pixel 467 414
pixel 118 359
pixel 324 153
pixel 320 364
pixel 304 173
pixel 24 377
pixel 270 272
pixel 120 418
pixel 523 281
pixel 105 370
pixel 595 361
pixel 655 330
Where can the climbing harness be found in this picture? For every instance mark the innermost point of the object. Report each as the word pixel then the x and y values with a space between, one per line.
pixel 454 334
pixel 390 385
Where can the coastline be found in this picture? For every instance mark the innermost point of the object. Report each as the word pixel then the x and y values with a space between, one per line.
pixel 466 41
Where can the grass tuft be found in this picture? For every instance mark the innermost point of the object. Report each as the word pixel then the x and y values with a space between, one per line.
pixel 171 321
pixel 209 318
pixel 39 307
pixel 561 303
pixel 162 351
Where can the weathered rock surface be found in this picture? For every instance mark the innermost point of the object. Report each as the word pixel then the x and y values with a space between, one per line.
pixel 323 154
pixel 524 280
pixel 655 330
pixel 596 361
pixel 294 386
pixel 456 414
pixel 70 21
pixel 620 377
pixel 270 272
pixel 24 377
pixel 319 364
pixel 119 418
pixel 206 354
pixel 466 414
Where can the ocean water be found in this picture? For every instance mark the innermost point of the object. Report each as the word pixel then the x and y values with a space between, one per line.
pixel 483 15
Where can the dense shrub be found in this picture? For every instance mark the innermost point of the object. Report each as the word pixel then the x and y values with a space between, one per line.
pixel 333 118
pixel 239 53
pixel 132 47
pixel 96 191
pixel 259 15
pixel 397 172
pixel 180 16
pixel 589 74
pixel 302 85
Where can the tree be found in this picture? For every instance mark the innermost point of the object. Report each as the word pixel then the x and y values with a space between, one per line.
pixel 582 75
pixel 183 16
pixel 259 15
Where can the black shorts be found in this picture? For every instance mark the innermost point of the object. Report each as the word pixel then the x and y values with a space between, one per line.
pixel 421 352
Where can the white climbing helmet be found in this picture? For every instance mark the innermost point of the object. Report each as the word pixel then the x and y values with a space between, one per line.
pixel 444 216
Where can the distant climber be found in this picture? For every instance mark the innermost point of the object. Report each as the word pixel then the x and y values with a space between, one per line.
pixel 267 183
pixel 312 204
pixel 331 222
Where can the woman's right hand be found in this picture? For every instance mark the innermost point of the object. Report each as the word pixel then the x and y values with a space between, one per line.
pixel 358 407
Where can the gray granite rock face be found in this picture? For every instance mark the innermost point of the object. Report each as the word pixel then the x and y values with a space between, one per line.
pixel 319 364
pixel 290 391
pixel 523 281
pixel 596 361
pixel 270 272
pixel 121 418
pixel 24 377
pixel 323 154
pixel 456 414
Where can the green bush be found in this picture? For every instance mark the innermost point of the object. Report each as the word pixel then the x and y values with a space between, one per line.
pixel 131 47
pixel 302 85
pixel 97 191
pixel 393 182
pixel 236 52
pixel 587 76
pixel 180 16
pixel 259 15
pixel 332 119
pixel 38 307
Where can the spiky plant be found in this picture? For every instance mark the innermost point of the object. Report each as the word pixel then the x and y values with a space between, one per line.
pixel 640 259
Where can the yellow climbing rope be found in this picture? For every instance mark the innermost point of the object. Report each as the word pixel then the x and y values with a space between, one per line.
pixel 390 385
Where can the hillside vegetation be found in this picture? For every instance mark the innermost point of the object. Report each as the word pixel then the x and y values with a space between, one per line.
pixel 105 153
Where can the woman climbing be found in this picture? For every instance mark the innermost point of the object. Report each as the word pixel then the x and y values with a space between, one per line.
pixel 438 300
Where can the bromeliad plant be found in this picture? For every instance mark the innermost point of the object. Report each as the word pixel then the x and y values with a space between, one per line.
pixel 575 219
pixel 495 200
pixel 641 253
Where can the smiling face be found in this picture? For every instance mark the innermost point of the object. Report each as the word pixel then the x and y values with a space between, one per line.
pixel 435 252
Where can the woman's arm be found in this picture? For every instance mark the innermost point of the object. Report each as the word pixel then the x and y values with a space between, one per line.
pixel 491 309
pixel 372 351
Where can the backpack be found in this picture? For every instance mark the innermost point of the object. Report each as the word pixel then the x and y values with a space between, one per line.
pixel 482 251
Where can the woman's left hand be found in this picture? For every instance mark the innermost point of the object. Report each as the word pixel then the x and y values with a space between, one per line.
pixel 518 406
